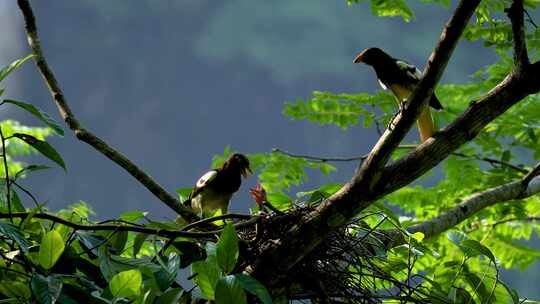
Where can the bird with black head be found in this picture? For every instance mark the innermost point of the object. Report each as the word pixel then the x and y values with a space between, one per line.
pixel 214 189
pixel 401 78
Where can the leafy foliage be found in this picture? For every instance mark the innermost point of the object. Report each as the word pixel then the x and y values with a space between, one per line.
pixel 388 8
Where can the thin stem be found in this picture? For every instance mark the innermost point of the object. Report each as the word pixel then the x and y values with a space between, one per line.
pixel 168 233
pixel 320 159
pixel 34 200
pixel 491 161
pixel 8 182
pixel 215 218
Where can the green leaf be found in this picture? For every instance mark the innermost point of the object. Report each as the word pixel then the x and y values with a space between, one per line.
pixel 229 291
pixel 133 216
pixel 227 248
pixel 51 248
pixel 418 236
pixel 457 237
pixel 167 274
pixel 172 296
pixel 31 168
pixel 392 8
pixel 183 193
pixel 278 199
pixel 118 240
pixel 207 275
pixel 479 248
pixel 46 289
pixel 138 243
pixel 513 294
pixel 126 283
pixel 253 286
pixel 14 65
pixel 110 265
pixel 16 204
pixel 91 242
pixel 44 117
pixel 43 147
pixel 189 252
pixel 387 211
pixel 321 193
pixel 13 232
pixel 15 289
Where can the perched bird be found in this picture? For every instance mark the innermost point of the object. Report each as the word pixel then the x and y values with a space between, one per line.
pixel 401 78
pixel 216 187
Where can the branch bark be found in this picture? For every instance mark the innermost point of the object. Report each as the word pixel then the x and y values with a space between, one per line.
pixel 83 134
pixel 516 15
pixel 469 207
pixel 427 155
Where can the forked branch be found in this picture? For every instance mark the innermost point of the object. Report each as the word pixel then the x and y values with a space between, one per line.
pixel 278 258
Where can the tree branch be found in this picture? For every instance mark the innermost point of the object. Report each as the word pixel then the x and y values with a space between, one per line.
pixel 491 161
pixel 278 258
pixel 6 170
pixel 469 207
pixel 80 132
pixel 370 171
pixel 515 14
pixel 427 155
pixel 153 231
pixel 321 159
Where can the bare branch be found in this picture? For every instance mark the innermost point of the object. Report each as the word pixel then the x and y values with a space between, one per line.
pixel 320 159
pixel 517 219
pixel 85 135
pixel 491 161
pixel 515 14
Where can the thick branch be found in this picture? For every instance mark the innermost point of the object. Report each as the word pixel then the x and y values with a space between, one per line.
pixel 515 13
pixel 85 135
pixel 469 207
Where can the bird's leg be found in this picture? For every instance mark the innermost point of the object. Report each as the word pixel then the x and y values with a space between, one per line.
pixel 402 106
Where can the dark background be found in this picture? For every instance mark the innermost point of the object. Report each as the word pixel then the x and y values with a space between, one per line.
pixel 171 83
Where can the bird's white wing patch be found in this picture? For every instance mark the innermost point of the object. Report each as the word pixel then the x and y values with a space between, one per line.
pixel 207 177
pixel 382 85
pixel 410 69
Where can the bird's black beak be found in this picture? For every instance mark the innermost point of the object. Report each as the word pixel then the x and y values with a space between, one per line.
pixel 359 58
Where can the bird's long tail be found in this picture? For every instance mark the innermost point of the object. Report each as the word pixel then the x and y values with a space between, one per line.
pixel 425 124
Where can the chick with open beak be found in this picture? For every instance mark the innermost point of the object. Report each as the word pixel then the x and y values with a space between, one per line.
pixel 216 187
